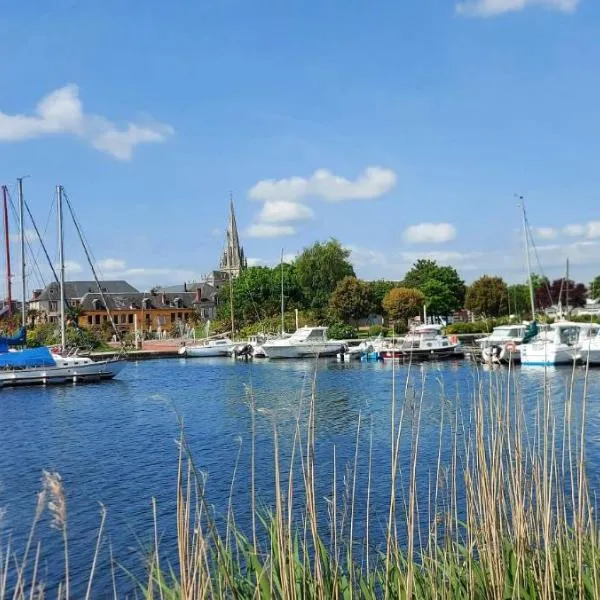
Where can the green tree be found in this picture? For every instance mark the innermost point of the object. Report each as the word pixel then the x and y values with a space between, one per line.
pixel 401 304
pixel 351 300
pixel 379 289
pixel 319 269
pixel 488 297
pixel 519 300
pixel 595 289
pixel 424 271
pixel 439 299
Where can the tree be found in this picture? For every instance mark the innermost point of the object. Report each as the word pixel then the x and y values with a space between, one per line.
pixel 559 291
pixel 595 289
pixel 439 299
pixel 425 270
pixel 488 297
pixel 319 269
pixel 519 301
pixel 401 304
pixel 351 300
pixel 379 289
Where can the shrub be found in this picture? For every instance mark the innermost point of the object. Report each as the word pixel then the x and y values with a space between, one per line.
pixel 341 331
pixel 377 330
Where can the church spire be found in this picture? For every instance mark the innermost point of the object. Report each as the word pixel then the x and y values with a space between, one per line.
pixel 233 259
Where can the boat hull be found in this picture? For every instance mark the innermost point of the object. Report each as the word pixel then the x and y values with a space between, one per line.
pixel 88 372
pixel 205 351
pixel 422 354
pixel 302 351
pixel 590 356
pixel 547 356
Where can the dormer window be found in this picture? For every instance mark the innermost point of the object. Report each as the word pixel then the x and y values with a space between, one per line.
pixel 178 302
pixel 146 303
pixel 95 304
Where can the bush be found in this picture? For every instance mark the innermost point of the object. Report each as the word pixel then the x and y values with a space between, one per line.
pixel 377 330
pixel 341 331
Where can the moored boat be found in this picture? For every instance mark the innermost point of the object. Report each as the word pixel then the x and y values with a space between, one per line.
pixel 211 348
pixel 425 342
pixel 557 345
pixel 306 342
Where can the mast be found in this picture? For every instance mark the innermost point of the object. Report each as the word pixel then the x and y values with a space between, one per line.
pixel 22 230
pixel 282 302
pixel 7 247
pixel 528 258
pixel 567 288
pixel 61 259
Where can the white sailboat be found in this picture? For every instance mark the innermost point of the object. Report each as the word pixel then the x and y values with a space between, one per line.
pixel 41 365
pixel 210 348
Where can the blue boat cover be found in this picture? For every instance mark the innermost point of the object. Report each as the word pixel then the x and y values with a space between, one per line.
pixel 27 358
pixel 18 339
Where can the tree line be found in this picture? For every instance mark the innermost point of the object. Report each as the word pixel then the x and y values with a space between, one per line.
pixel 322 280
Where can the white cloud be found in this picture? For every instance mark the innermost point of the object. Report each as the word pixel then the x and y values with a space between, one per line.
pixel 372 183
pixel 546 233
pixel 283 211
pixel 290 257
pixel 593 230
pixel 61 112
pixel 72 267
pixel 491 8
pixel 365 256
pixel 434 233
pixel 574 230
pixel 590 230
pixel 216 232
pixel 255 262
pixel 111 264
pixel 266 230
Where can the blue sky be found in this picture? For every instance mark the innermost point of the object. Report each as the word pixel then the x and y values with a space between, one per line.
pixel 403 129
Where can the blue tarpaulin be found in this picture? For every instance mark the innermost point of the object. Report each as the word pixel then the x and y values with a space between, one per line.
pixel 28 358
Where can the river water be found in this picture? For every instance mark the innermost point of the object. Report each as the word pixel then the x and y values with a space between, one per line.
pixel 115 443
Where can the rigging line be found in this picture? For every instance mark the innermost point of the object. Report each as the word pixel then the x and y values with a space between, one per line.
pixel 29 247
pixel 87 254
pixel 537 258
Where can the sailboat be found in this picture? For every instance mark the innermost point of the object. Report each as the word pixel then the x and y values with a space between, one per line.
pixel 43 365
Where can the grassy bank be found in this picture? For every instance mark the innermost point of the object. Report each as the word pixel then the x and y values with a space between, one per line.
pixel 508 514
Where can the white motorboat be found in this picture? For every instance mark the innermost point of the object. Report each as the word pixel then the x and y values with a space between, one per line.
pixel 424 343
pixel 557 345
pixel 304 343
pixel 41 366
pixel 211 348
pixel 502 345
pixel 589 344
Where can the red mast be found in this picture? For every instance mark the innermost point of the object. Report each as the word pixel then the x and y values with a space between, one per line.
pixel 7 242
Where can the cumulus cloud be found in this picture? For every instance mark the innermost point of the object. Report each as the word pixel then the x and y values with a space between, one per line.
pixel 432 233
pixel 72 267
pixel 590 230
pixel 492 8
pixel 30 236
pixel 61 112
pixel 283 211
pixel 372 183
pixel 255 262
pixel 111 264
pixel 546 233
pixel 267 230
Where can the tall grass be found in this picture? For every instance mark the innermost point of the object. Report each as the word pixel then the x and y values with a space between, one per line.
pixel 508 513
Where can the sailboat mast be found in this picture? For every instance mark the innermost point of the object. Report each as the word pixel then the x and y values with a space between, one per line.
pixel 7 246
pixel 528 258
pixel 567 288
pixel 61 259
pixel 282 302
pixel 22 236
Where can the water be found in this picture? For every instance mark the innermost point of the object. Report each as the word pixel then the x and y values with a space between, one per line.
pixel 115 443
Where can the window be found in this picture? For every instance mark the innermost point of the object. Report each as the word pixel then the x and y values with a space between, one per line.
pixel 89 319
pixel 130 319
pixel 97 319
pixel 53 306
pixel 179 316
pixel 104 318
pixel 172 317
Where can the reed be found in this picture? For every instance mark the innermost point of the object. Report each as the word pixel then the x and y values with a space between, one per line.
pixel 524 525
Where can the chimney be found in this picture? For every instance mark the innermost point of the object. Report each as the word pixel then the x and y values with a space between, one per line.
pixel 184 286
pixel 198 294
pixel 163 299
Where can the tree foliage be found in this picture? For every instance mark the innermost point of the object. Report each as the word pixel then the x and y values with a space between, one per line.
pixel 319 269
pixel 488 297
pixel 401 304
pixel 425 271
pixel 519 301
pixel 351 300
pixel 439 298
pixel 595 289
pixel 379 289
pixel 559 291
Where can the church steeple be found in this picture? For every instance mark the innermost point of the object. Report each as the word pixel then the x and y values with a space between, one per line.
pixel 233 259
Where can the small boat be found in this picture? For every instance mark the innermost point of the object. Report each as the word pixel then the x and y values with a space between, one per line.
pixel 425 342
pixel 502 345
pixel 306 342
pixel 354 350
pixel 211 348
pixel 42 366
pixel 559 344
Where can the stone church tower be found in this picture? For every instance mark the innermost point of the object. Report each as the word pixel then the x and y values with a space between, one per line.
pixel 232 260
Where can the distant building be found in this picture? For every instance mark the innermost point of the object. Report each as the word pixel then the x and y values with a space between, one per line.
pixel 47 301
pixel 158 311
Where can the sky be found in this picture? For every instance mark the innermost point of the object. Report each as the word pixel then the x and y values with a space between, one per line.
pixel 402 129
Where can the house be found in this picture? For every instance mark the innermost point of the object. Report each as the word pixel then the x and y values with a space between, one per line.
pixel 148 311
pixel 47 301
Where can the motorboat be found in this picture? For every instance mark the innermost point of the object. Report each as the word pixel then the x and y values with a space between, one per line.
pixel 589 344
pixel 211 348
pixel 559 344
pixel 425 342
pixel 355 349
pixel 502 345
pixel 306 342
pixel 43 366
